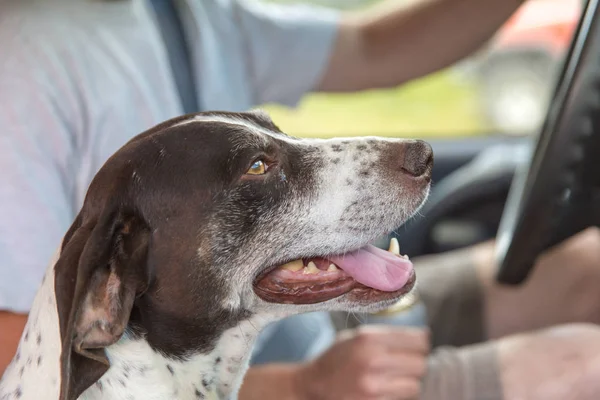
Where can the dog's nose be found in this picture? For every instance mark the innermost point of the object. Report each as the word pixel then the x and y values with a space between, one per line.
pixel 418 158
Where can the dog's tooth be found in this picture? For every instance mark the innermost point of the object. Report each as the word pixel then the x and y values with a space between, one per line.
pixel 311 268
pixel 332 268
pixel 293 266
pixel 394 247
pixel 406 257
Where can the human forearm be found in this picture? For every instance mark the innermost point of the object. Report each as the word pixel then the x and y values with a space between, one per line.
pixel 391 44
pixel 11 328
pixel 562 287
pixel 466 304
pixel 272 381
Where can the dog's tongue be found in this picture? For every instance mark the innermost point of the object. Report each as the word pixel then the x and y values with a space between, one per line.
pixel 376 268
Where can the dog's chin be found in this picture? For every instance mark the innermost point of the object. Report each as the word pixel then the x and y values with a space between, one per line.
pixel 365 279
pixel 364 298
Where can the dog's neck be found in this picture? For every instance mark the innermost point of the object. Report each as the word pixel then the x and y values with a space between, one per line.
pixel 139 372
pixel 136 372
pixel 35 370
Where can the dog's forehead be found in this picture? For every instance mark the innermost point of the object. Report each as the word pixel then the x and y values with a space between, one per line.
pixel 254 126
pixel 254 131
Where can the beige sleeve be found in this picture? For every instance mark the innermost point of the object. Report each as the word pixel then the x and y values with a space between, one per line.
pixel 450 290
pixel 468 373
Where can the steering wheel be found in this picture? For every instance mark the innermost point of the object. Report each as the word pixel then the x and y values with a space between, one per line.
pixel 556 194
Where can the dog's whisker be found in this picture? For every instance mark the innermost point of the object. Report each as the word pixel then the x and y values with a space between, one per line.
pixel 255 328
pixel 244 336
pixel 347 319
pixel 358 318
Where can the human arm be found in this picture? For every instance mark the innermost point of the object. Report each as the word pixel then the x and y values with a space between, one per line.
pixel 553 363
pixel 465 303
pixel 393 43
pixel 11 328
pixel 276 53
pixel 562 288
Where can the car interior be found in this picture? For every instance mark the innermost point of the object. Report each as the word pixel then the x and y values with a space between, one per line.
pixel 500 170
pixel 530 190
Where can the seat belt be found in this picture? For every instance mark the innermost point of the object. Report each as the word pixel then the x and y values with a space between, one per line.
pixel 171 28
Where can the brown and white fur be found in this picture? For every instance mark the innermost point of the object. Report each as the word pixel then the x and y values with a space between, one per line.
pixel 151 294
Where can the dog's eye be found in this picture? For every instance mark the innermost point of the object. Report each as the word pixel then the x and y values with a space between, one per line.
pixel 258 168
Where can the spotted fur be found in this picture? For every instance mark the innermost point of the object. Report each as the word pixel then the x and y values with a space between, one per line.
pixel 151 294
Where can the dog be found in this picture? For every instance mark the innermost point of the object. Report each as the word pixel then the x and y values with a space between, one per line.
pixel 195 235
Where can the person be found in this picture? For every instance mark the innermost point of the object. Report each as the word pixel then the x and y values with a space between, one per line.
pixel 79 78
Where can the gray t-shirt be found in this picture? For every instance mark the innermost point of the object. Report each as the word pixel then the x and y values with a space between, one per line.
pixel 79 78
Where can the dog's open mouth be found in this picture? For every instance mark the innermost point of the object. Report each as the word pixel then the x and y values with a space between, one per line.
pixel 306 281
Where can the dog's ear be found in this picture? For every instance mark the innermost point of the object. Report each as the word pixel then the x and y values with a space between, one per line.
pixel 101 270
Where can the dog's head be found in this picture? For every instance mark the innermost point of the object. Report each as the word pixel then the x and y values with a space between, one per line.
pixel 206 220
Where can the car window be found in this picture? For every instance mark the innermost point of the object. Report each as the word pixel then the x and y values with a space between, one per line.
pixel 502 89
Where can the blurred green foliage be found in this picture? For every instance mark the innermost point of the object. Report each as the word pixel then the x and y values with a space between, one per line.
pixel 439 105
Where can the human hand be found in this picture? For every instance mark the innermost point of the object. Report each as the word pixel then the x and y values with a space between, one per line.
pixel 369 363
pixel 557 363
